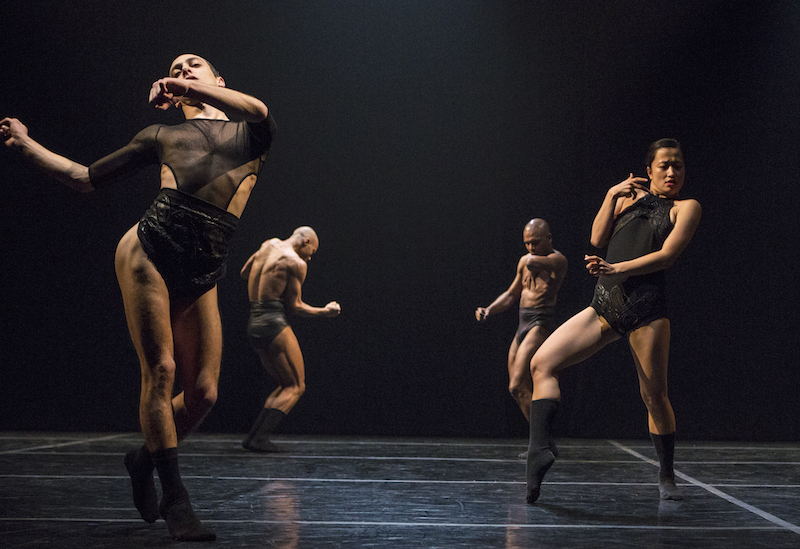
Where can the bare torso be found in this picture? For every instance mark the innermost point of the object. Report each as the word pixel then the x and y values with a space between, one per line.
pixel 540 286
pixel 272 267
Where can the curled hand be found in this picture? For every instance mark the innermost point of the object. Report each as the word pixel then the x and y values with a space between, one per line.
pixel 629 187
pixel 13 132
pixel 481 313
pixel 598 266
pixel 168 92
pixel 333 308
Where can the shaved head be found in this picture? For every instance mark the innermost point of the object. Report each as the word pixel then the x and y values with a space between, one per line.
pixel 537 238
pixel 537 226
pixel 307 232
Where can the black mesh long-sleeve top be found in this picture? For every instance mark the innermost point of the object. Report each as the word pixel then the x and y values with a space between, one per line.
pixel 206 158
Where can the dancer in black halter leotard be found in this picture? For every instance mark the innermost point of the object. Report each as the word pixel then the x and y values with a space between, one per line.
pixel 645 229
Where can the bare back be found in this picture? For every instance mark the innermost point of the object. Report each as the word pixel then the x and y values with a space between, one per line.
pixel 270 270
pixel 541 282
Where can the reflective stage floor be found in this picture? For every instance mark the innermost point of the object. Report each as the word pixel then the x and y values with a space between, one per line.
pixel 72 491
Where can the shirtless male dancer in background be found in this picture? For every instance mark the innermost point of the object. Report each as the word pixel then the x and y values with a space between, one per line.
pixel 535 288
pixel 275 275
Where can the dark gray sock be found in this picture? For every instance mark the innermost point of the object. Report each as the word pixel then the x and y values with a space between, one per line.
pixel 665 450
pixel 540 456
pixel 175 507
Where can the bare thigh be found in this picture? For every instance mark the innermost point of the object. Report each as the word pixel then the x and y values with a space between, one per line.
pixel 147 311
pixel 650 349
pixel 574 341
pixel 146 301
pixel 519 364
pixel 284 360
pixel 198 345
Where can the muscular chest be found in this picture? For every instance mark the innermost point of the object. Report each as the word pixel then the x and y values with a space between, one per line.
pixel 537 279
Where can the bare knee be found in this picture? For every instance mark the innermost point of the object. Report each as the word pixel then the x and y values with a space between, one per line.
pixel 540 369
pixel 201 398
pixel 654 397
pixel 158 378
pixel 519 390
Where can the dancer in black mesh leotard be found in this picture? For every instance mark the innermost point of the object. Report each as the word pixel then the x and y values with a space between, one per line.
pixel 645 229
pixel 168 264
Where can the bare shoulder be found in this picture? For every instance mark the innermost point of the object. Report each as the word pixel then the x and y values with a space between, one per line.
pixel 299 268
pixel 269 244
pixel 688 207
pixel 558 258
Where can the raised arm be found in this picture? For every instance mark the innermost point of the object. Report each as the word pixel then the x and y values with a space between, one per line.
pixel 687 218
pixel 507 298
pixel 628 190
pixel 167 92
pixel 554 262
pixel 74 175
pixel 294 300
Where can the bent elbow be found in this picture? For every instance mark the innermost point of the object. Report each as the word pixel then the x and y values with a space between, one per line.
pixel 669 262
pixel 597 242
pixel 82 184
pixel 260 113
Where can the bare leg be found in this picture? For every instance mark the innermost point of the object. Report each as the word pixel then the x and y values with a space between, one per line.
pixel 198 353
pixel 650 349
pixel 574 341
pixel 284 362
pixel 519 372
pixel 148 312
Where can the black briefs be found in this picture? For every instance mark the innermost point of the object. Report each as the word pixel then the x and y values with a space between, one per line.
pixel 187 240
pixel 529 317
pixel 267 320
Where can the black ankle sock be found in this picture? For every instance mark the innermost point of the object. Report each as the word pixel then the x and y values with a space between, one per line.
pixel 140 468
pixel 665 450
pixel 540 455
pixel 175 506
pixel 257 439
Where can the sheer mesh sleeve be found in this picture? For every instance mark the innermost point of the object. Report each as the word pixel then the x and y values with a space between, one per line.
pixel 263 133
pixel 140 152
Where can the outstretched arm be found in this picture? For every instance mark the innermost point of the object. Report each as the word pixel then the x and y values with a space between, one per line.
pixel 74 175
pixel 167 92
pixel 507 298
pixel 686 221
pixel 294 299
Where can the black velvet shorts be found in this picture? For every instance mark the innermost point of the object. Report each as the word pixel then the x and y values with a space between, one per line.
pixel 187 240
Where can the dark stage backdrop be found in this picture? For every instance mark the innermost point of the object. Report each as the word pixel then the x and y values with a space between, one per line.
pixel 418 137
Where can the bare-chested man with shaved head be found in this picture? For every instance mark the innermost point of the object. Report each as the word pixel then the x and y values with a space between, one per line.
pixel 535 288
pixel 275 275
